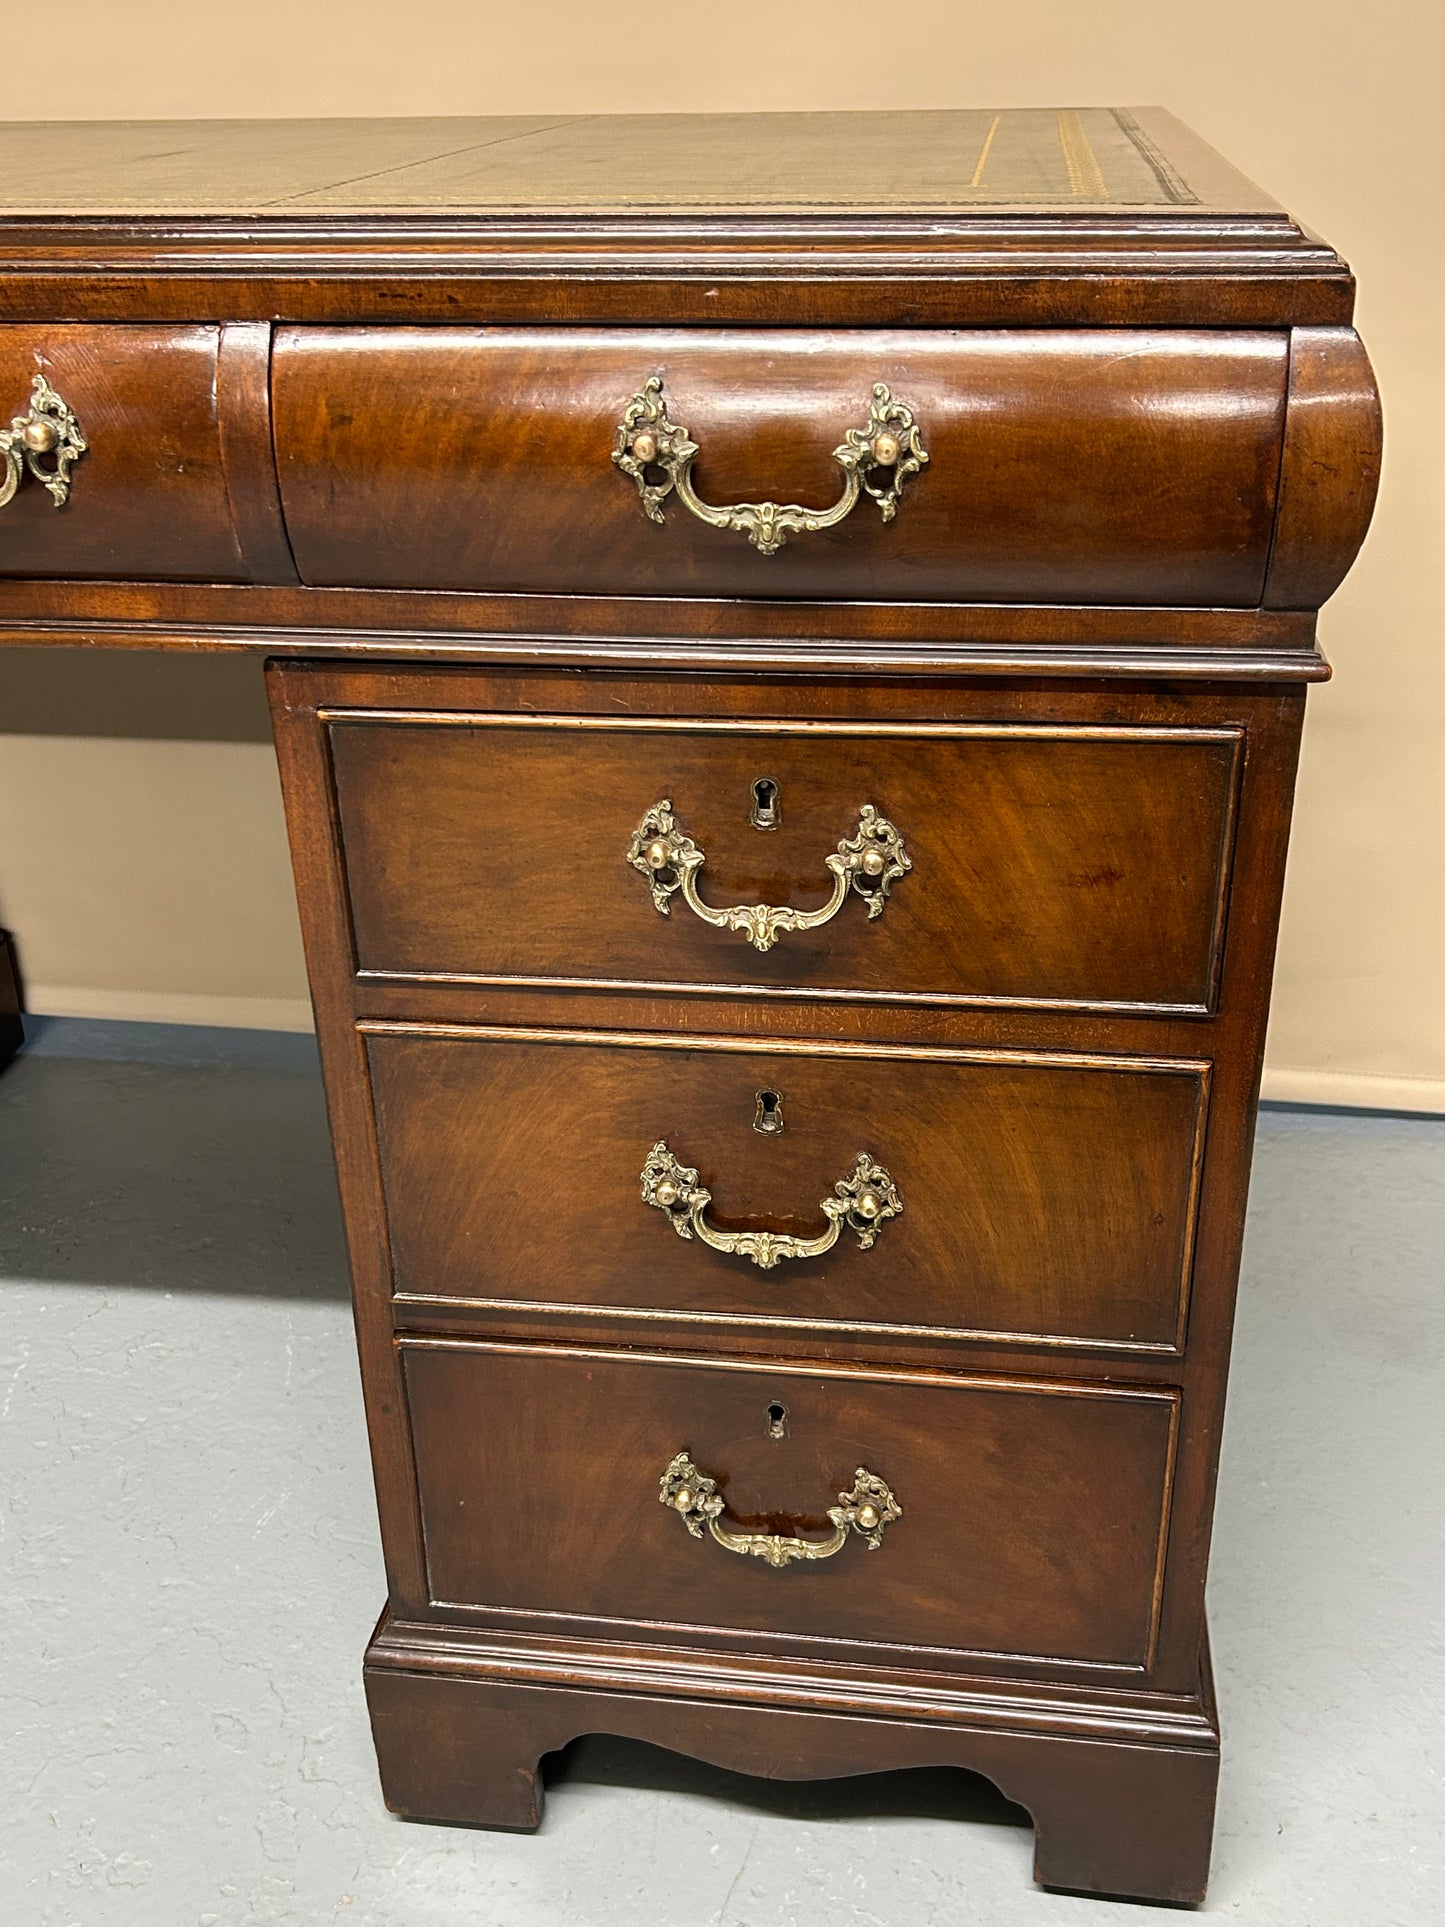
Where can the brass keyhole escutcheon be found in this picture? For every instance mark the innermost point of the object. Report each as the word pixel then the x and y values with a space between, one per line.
pixel 768 1118
pixel 767 806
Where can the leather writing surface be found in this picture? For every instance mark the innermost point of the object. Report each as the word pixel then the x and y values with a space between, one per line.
pixel 1042 157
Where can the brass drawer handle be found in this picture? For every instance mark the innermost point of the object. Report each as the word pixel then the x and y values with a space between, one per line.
pixel 870 862
pixel 48 427
pixel 867 1508
pixel 888 444
pixel 865 1200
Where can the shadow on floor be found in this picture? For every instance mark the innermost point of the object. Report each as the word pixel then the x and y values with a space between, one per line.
pixel 181 1177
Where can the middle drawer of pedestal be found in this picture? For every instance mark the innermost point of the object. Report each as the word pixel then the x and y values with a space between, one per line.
pixel 851 1189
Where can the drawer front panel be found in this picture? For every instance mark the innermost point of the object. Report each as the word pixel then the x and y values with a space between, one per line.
pixel 1033 1514
pixel 1048 1199
pixel 1064 466
pixel 148 497
pixel 1049 865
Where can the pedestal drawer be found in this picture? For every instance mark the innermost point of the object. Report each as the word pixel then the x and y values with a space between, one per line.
pixel 1074 865
pixel 1032 1513
pixel 1005 1194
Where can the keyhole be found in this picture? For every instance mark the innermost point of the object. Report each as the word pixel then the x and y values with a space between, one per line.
pixel 766 812
pixel 777 1422
pixel 768 1119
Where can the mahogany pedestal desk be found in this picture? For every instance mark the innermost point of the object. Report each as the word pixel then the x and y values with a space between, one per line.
pixel 788 639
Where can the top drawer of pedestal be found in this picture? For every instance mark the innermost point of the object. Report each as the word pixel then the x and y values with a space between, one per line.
pixel 1095 466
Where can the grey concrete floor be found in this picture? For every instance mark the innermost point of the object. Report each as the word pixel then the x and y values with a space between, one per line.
pixel 189 1566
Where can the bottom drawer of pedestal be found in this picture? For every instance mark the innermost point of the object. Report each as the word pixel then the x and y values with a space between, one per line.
pixel 982 1515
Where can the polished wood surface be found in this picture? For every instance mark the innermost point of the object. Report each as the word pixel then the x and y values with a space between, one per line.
pixel 1262 646
pixel 1033 1514
pixel 510 1163
pixel 1051 865
pixel 243 394
pixel 466 1745
pixel 1073 467
pixel 1325 504
pixel 1230 1040
pixel 351 392
pixel 149 496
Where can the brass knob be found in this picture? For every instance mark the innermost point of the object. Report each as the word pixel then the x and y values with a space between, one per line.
pixel 644 447
pixel 659 854
pixel 869 1204
pixel 45 443
pixel 886 449
pixel 682 1498
pixel 873 862
pixel 666 1193
pixel 867 1517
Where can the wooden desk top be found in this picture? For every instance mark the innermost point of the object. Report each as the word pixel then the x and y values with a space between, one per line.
pixel 172 278
pixel 1058 160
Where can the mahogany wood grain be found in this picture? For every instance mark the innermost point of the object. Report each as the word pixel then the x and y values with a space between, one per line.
pixel 610 632
pixel 1019 274
pixel 149 497
pixel 1073 671
pixel 1033 1512
pixel 1269 721
pixel 1071 866
pixel 243 397
pixel 1330 467
pixel 511 1160
pixel 467 1747
pixel 1078 467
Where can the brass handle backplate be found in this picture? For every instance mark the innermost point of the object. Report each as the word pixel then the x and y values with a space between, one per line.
pixel 47 428
pixel 867 1508
pixel 869 862
pixel 876 460
pixel 864 1201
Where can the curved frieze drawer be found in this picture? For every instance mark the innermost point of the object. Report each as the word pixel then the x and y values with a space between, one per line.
pixel 855 1191
pixel 1074 866
pixel 113 454
pixel 1028 465
pixel 1016 1518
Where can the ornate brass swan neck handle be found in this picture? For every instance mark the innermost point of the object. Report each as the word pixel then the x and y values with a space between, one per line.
pixel 876 460
pixel 870 862
pixel 867 1508
pixel 47 428
pixel 864 1201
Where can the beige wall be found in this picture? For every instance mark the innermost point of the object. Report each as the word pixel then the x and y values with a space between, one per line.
pixel 146 874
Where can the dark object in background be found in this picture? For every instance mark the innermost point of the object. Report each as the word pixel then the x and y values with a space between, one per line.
pixel 12 1032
